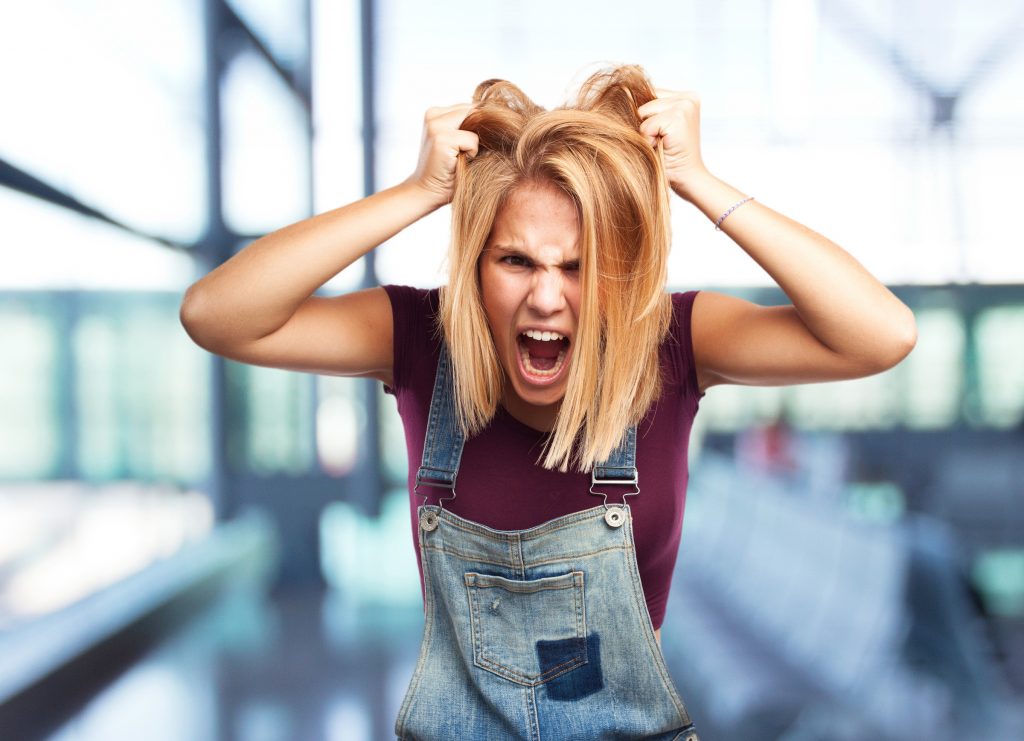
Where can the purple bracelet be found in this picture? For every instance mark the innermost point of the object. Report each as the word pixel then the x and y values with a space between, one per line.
pixel 718 224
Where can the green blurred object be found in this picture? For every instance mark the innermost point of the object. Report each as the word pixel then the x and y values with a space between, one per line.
pixel 879 502
pixel 999 576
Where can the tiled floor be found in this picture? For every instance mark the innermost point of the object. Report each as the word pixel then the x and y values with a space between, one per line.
pixel 301 665
pixel 297 667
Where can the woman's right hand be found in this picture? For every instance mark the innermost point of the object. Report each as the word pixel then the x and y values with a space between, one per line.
pixel 442 144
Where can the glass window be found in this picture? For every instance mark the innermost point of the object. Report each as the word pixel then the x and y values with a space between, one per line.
pixel 266 149
pixel 866 101
pixel 277 425
pixel 141 391
pixel 934 392
pixel 394 455
pixel 856 404
pixel 1001 365
pixel 29 436
pixel 347 537
pixel 337 117
pixel 104 101
pixel 61 541
pixel 728 407
pixel 340 423
pixel 280 25
pixel 60 249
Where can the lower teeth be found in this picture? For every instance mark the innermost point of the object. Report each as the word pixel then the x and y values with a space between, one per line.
pixel 537 372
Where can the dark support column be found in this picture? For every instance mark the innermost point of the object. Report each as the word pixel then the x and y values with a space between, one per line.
pixel 216 247
pixel 369 485
pixel 297 502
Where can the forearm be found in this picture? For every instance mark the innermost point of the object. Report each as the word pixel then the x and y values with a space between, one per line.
pixel 258 290
pixel 842 304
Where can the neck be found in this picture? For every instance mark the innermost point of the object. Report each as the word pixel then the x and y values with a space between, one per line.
pixel 538 417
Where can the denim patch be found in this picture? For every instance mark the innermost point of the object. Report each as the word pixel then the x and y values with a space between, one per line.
pixel 579 682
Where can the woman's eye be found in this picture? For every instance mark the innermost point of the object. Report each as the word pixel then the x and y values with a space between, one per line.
pixel 515 260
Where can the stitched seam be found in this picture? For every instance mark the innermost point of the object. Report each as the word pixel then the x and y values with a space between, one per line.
pixel 554 559
pixel 640 603
pixel 518 677
pixel 428 629
pixel 510 673
pixel 577 517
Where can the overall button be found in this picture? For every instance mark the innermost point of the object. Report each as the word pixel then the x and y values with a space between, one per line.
pixel 614 516
pixel 428 521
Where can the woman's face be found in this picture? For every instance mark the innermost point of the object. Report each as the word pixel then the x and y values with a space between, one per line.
pixel 529 280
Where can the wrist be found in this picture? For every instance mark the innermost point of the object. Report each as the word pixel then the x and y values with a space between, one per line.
pixel 422 198
pixel 698 181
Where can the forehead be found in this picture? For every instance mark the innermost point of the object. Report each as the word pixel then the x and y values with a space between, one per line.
pixel 535 219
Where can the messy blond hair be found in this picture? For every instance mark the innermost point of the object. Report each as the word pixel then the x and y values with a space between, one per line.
pixel 592 150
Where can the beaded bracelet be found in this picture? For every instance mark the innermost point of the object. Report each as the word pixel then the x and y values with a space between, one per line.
pixel 718 224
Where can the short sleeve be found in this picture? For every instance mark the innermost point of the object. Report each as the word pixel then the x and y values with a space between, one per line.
pixel 683 309
pixel 406 304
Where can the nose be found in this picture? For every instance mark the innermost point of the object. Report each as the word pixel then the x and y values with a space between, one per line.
pixel 547 292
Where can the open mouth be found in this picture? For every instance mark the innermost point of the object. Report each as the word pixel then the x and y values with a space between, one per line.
pixel 542 354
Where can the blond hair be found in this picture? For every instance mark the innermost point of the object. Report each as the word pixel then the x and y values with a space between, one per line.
pixel 593 151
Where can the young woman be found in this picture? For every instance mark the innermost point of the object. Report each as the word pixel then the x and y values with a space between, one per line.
pixel 551 369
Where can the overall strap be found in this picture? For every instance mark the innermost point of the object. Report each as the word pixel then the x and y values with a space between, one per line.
pixel 442 446
pixel 620 466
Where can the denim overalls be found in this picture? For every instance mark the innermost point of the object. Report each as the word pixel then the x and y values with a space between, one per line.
pixel 537 634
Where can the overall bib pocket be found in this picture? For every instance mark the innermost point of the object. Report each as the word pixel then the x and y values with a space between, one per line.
pixel 516 625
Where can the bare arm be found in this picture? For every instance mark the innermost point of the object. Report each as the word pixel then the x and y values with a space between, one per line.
pixel 255 292
pixel 843 322
pixel 259 308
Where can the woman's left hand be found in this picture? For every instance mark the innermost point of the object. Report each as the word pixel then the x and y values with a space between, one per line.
pixel 674 118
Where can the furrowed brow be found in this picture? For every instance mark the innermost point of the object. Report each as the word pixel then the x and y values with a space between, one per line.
pixel 566 265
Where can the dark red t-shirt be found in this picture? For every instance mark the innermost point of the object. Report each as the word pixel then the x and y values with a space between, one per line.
pixel 499 483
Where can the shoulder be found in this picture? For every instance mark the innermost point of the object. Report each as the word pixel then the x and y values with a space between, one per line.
pixel 678 345
pixel 707 324
pixel 416 332
pixel 682 313
pixel 682 302
pixel 409 299
pixel 414 310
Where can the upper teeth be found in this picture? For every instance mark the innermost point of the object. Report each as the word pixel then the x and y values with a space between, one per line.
pixel 546 336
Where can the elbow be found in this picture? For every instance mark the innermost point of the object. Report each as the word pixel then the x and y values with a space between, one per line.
pixel 902 345
pixel 190 314
pixel 908 338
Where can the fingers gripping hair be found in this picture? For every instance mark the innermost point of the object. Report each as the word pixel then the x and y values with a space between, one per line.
pixel 592 149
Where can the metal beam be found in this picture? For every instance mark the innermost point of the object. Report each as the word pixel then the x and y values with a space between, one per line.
pixel 17 179
pixel 298 83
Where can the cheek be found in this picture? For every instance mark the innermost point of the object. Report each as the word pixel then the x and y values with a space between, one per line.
pixel 500 315
pixel 494 312
pixel 495 295
pixel 572 295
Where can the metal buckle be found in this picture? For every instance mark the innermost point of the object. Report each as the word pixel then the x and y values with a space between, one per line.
pixel 440 502
pixel 594 480
pixel 615 516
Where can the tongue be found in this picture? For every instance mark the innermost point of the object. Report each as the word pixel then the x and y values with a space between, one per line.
pixel 541 348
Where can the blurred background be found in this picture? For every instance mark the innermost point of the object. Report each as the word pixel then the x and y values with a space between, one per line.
pixel 192 548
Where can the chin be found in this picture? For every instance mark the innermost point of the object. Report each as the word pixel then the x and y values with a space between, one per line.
pixel 545 396
pixel 543 399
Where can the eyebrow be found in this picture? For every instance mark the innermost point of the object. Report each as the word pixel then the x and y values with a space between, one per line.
pixel 520 253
